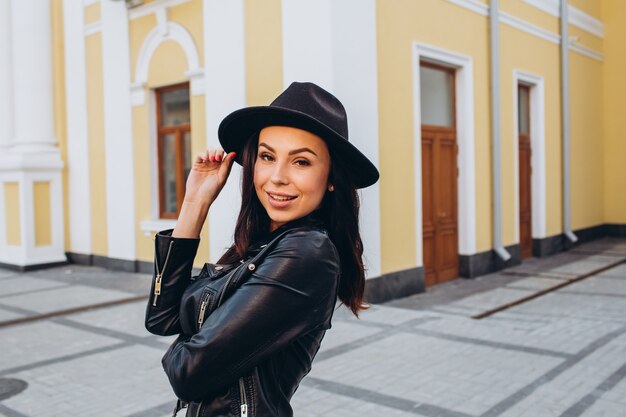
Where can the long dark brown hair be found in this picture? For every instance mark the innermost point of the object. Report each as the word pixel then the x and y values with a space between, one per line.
pixel 339 211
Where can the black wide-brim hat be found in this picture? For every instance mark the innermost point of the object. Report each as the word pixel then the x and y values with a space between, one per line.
pixel 305 106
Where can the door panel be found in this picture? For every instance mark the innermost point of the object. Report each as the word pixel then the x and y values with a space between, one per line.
pixel 439 173
pixel 439 201
pixel 525 173
pixel 428 221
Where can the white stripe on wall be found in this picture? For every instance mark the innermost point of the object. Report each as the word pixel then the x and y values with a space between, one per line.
pixel 333 44
pixel 118 131
pixel 77 143
pixel 224 52
pixel 307 42
pixel 355 73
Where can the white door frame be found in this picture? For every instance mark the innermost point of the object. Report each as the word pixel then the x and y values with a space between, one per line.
pixel 538 152
pixel 464 92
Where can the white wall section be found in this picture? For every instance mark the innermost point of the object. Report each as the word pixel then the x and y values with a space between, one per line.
pixel 118 138
pixel 333 44
pixel 225 91
pixel 77 137
pixel 6 76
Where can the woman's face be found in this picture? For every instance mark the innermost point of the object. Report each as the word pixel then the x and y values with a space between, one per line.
pixel 290 173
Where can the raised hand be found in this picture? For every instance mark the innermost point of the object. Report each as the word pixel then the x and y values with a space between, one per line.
pixel 207 177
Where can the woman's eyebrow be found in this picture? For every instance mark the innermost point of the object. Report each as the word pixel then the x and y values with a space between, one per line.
pixel 267 146
pixel 295 151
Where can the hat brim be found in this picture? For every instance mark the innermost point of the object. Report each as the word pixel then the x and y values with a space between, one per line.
pixel 239 126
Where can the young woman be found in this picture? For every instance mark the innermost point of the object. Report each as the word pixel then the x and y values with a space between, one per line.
pixel 299 210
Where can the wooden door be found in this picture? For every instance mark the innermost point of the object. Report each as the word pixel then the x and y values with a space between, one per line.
pixel 525 172
pixel 439 174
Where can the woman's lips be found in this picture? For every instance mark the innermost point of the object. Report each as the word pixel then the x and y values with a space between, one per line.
pixel 280 200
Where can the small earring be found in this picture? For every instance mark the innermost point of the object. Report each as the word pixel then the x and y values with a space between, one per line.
pixel 331 188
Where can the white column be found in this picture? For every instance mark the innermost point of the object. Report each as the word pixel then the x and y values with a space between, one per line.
pixel 6 76
pixel 118 135
pixel 77 137
pixel 32 155
pixel 225 91
pixel 32 75
pixel 307 42
pixel 333 44
pixel 355 71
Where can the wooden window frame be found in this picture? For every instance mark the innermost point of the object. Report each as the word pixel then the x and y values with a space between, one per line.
pixel 179 144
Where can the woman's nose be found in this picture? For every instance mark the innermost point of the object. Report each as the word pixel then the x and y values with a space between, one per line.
pixel 279 174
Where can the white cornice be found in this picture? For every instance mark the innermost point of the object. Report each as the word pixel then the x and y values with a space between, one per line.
pixel 472 5
pixel 94 27
pixel 549 6
pixel 529 28
pixel 586 22
pixel 586 51
pixel 153 7
pixel 577 17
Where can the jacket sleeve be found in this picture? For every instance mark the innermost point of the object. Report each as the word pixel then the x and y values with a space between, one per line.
pixel 292 292
pixel 173 261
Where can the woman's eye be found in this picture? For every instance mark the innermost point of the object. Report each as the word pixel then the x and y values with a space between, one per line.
pixel 303 162
pixel 265 156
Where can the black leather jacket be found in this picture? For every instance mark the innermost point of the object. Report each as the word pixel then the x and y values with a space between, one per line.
pixel 256 347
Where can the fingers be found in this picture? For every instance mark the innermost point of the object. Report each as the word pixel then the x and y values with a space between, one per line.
pixel 227 165
pixel 210 155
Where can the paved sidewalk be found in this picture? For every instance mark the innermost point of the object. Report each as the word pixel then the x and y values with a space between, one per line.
pixel 561 354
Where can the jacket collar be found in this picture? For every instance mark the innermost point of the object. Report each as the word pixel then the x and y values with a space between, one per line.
pixel 313 220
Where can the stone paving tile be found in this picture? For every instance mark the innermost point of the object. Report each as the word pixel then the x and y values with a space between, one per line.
pixel 6 315
pixel 20 284
pixel 565 335
pixel 125 318
pixel 312 402
pixel 577 381
pixel 343 332
pixel 114 383
pixel 92 276
pixel 560 355
pixel 391 316
pixel 63 298
pixel 475 304
pixel 425 369
pixel 536 283
pixel 34 342
pixel 582 266
pixel 616 272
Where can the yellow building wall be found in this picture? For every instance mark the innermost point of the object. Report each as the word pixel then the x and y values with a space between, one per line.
pixel 43 224
pixel 189 15
pixel 530 14
pixel 591 7
pixel 614 120
pixel 167 66
pixel 586 133
pixel 541 58
pixel 399 24
pixel 583 38
pixel 12 213
pixel 92 13
pixel 95 131
pixel 264 55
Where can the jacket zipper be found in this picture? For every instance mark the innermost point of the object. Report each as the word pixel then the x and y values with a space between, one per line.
pixel 244 400
pixel 159 275
pixel 205 302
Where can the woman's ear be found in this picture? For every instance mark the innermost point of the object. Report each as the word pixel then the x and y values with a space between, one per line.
pixel 331 188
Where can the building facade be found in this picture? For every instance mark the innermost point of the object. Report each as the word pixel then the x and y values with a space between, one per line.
pixel 495 124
